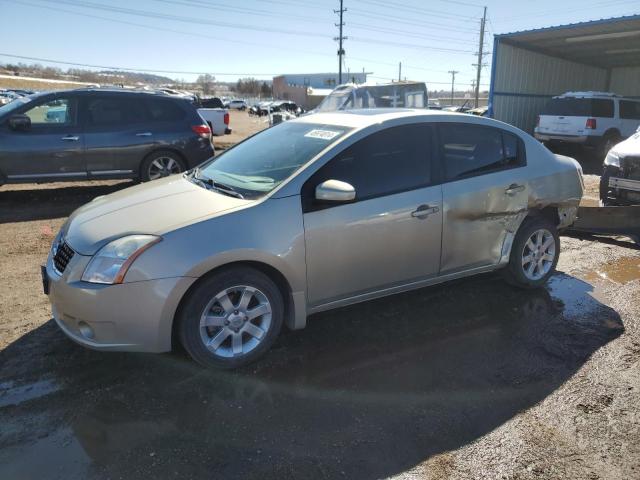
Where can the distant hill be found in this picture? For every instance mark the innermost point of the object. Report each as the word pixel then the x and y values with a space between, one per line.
pixel 134 77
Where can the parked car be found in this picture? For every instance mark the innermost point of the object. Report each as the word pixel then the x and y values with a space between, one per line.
pixel 480 111
pixel 99 133
pixel 213 102
pixel 620 180
pixel 217 118
pixel 591 119
pixel 390 95
pixel 237 104
pixel 7 97
pixel 316 213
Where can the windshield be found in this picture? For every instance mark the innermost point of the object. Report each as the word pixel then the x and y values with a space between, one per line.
pixel 262 162
pixel 13 105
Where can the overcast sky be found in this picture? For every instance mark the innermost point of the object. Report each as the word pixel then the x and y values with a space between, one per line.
pixel 262 38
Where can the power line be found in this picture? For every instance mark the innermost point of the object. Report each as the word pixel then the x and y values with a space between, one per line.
pixel 183 19
pixel 164 29
pixel 401 20
pixel 361 26
pixel 415 10
pixel 147 70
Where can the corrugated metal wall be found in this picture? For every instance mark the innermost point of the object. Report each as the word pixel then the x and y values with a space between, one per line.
pixel 523 81
pixel 626 81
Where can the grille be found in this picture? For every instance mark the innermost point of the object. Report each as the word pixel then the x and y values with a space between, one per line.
pixel 64 253
pixel 632 168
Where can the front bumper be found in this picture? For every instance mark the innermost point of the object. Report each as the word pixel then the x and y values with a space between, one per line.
pixel 135 317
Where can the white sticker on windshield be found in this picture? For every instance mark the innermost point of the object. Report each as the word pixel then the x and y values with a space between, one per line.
pixel 322 134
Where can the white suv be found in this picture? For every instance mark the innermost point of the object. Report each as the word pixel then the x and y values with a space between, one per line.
pixel 593 119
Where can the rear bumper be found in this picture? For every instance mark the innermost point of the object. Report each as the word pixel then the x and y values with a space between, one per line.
pixel 577 139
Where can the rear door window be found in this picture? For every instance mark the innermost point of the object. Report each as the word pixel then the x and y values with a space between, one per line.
pixel 579 107
pixel 114 111
pixel 629 110
pixel 471 150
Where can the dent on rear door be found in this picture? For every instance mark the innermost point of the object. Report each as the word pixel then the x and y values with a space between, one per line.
pixel 480 219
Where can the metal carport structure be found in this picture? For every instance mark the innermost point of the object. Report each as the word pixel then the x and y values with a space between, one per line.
pixel 530 67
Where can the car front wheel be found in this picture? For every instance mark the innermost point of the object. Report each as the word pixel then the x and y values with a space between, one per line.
pixel 534 254
pixel 231 318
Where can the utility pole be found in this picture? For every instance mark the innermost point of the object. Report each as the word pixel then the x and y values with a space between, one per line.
pixel 399 71
pixel 480 55
pixel 453 82
pixel 340 39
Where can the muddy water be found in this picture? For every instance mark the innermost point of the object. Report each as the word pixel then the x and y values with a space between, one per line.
pixel 364 392
pixel 623 270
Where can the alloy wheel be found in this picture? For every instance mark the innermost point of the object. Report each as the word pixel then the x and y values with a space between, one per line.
pixel 235 321
pixel 163 167
pixel 538 254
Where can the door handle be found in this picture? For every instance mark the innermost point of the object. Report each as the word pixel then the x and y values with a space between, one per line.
pixel 144 134
pixel 70 138
pixel 513 189
pixel 424 211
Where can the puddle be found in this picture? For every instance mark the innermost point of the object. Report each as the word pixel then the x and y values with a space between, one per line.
pixel 11 394
pixel 392 381
pixel 623 270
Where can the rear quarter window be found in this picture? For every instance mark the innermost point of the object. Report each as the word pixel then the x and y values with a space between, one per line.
pixel 579 107
pixel 629 110
pixel 162 110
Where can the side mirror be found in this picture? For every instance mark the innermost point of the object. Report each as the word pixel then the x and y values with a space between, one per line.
pixel 19 122
pixel 335 191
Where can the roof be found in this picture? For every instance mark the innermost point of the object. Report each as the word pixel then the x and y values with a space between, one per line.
pixel 605 43
pixel 361 118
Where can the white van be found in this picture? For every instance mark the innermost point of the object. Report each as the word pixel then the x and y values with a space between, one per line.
pixel 592 119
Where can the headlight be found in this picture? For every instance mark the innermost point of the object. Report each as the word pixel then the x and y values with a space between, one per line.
pixel 112 261
pixel 612 160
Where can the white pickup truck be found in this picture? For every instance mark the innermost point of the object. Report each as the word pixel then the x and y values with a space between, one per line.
pixel 214 113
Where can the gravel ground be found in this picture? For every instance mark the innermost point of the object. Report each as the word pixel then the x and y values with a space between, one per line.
pixel 471 379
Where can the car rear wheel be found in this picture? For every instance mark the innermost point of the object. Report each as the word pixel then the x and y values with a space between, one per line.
pixel 231 318
pixel 161 164
pixel 534 254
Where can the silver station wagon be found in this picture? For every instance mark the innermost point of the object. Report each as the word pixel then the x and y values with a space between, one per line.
pixel 316 213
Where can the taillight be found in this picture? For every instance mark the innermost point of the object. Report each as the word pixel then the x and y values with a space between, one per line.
pixel 202 130
pixel 226 118
pixel 591 123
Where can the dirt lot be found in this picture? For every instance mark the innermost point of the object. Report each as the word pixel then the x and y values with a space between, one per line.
pixel 472 379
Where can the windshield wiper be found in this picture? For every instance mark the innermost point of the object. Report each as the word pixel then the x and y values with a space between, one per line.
pixel 219 187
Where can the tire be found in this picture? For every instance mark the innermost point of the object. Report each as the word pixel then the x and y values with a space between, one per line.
pixel 608 142
pixel 232 338
pixel 604 190
pixel 518 271
pixel 161 163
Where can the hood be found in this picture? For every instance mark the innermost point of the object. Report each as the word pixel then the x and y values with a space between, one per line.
pixel 630 147
pixel 155 208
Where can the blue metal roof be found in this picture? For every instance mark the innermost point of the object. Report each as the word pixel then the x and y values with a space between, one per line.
pixel 569 26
